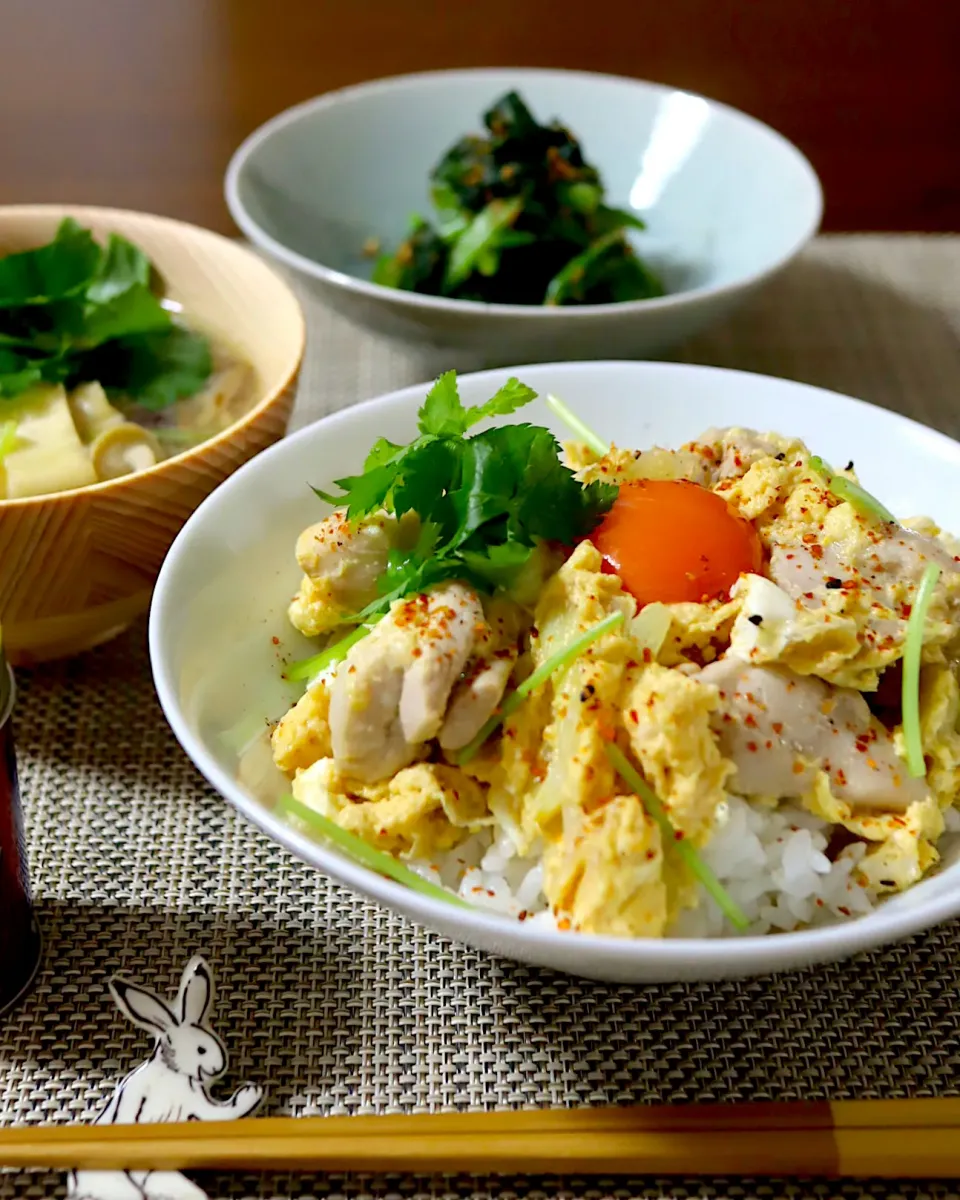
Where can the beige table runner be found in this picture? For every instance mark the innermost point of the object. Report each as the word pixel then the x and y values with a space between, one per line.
pixel 339 1007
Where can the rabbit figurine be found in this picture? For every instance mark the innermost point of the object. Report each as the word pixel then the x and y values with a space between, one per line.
pixel 171 1086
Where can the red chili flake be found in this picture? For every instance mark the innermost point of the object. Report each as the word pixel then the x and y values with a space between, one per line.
pixel 841 777
pixel 843 909
pixel 634 716
pixel 798 768
pixel 678 835
pixel 564 924
pixel 752 747
pixel 651 854
pixel 275 640
pixel 906 610
pixel 790 556
pixel 647 654
pixel 750 721
pixel 778 727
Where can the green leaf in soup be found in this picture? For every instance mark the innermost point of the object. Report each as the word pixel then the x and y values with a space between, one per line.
pixel 153 370
pixel 135 310
pixel 55 271
pixel 17 373
pixel 122 266
pixel 481 235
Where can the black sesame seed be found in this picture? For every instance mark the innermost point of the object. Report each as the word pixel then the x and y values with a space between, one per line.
pixel 781 457
pixel 849 466
pixel 833 584
pixel 756 619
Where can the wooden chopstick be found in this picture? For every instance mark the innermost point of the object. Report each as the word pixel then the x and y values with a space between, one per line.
pixel 873 1138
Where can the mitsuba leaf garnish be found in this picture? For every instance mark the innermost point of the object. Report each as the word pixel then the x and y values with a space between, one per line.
pixel 485 502
pixel 75 311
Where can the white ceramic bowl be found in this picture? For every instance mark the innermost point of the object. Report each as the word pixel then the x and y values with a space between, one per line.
pixel 223 590
pixel 727 201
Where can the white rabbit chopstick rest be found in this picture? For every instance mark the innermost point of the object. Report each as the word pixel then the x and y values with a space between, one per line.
pixel 171 1086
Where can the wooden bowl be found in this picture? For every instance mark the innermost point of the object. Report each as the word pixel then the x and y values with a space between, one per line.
pixel 77 567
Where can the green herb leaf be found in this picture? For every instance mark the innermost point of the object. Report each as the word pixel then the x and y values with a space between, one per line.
pixel 71 312
pixel 367 855
pixel 60 269
pixel 152 369
pixel 682 846
pixel 444 415
pixel 132 312
pixel 912 656
pixel 486 501
pixel 122 267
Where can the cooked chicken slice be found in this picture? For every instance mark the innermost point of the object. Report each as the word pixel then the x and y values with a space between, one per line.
pixel 881 565
pixel 341 565
pixel 475 699
pixel 390 694
pixel 780 729
pixel 365 732
pixel 476 696
pixel 733 451
pixel 445 629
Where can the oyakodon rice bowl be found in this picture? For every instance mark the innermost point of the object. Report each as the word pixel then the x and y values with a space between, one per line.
pixel 642 693
pixel 220 636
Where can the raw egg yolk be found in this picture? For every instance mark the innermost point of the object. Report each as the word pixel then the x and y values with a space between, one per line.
pixel 672 540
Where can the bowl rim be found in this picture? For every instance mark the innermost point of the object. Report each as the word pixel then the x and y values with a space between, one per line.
pixel 233 246
pixel 582 312
pixel 752 955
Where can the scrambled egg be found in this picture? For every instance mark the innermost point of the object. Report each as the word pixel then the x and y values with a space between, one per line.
pixel 829 611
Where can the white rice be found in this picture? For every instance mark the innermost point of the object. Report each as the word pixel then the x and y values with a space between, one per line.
pixel 771 861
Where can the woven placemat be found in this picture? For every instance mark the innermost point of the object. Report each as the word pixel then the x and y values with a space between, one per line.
pixel 337 1006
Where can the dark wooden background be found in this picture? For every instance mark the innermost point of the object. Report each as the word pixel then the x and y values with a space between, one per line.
pixel 139 103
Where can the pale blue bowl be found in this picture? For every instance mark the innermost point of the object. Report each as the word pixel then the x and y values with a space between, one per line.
pixel 727 202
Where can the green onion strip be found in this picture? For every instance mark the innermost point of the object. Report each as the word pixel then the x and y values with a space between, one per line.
pixel 306 668
pixel 573 422
pixel 912 652
pixel 845 489
pixel 556 662
pixel 367 855
pixel 635 781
